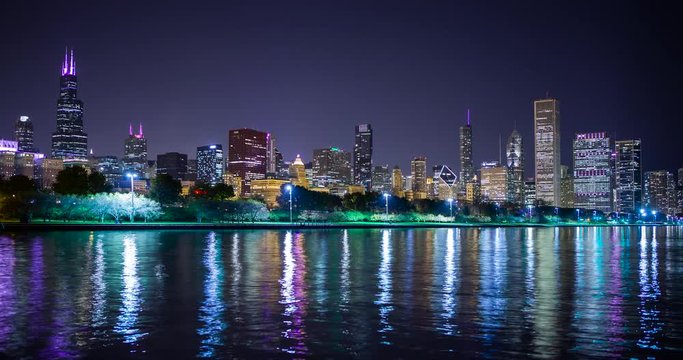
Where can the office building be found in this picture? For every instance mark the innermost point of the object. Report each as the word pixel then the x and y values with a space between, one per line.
pixel 135 152
pixel 530 192
pixel 381 179
pixel 466 163
pixel 297 172
pixel 628 176
pixel 111 168
pixel 418 173
pixel 547 151
pixel 659 192
pixel 172 163
pixel 362 156
pixel 592 175
pixel 444 183
pixel 566 187
pixel 515 168
pixel 69 141
pixel 493 182
pixel 248 155
pixel 397 182
pixel 331 166
pixel 210 164
pixel 23 134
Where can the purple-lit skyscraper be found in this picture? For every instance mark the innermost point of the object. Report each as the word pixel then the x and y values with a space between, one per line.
pixel 69 142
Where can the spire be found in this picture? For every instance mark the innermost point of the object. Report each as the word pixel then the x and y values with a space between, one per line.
pixel 69 64
pixel 468 117
pixel 140 129
pixel 130 129
pixel 72 68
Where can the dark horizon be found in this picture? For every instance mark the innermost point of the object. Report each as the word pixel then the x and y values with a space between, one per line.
pixel 308 72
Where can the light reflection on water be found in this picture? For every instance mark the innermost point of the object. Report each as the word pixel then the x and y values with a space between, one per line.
pixel 494 293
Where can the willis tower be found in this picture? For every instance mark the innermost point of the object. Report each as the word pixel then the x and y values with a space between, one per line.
pixel 69 142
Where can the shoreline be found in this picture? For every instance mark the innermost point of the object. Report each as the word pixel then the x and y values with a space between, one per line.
pixel 13 226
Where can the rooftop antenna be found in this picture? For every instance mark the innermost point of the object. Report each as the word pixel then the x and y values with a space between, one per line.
pixel 140 129
pixel 130 129
pixel 468 117
pixel 500 151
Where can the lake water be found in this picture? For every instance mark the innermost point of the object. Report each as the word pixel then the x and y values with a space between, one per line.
pixel 491 293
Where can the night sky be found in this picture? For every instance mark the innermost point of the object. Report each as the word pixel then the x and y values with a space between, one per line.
pixel 308 71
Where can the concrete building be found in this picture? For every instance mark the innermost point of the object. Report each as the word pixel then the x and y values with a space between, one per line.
pixel 493 182
pixel 547 150
pixel 297 173
pixel 418 172
pixel 592 175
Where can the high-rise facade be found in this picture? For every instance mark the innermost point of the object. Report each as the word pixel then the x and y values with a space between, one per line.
pixel 331 166
pixel 547 150
pixel 493 182
pixel 248 155
pixel 69 142
pixel 23 133
pixel 628 175
pixel 466 164
pixel 418 173
pixel 173 164
pixel 297 172
pixel 135 151
pixel 110 167
pixel 210 164
pixel 381 179
pixel 515 168
pixel 659 192
pixel 362 156
pixel 592 175
pixel 566 187
pixel 397 182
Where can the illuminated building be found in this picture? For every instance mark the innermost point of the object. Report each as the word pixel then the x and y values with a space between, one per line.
pixel 48 170
pixel 248 155
pixel 185 186
pixel 547 150
pixel 210 164
pixel 628 176
pixel 24 164
pixel 234 181
pixel 69 142
pixel 515 168
pixel 331 166
pixel 592 175
pixel 110 167
pixel 381 179
pixel 445 182
pixel 23 133
pixel 397 182
pixel 135 152
pixel 472 191
pixel 466 163
pixel 659 192
pixel 362 156
pixel 566 187
pixel 530 192
pixel 271 154
pixel 493 182
pixel 297 172
pixel 268 189
pixel 173 164
pixel 418 172
pixel 191 170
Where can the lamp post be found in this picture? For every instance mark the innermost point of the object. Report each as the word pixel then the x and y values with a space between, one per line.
pixel 132 196
pixel 289 188
pixel 450 204
pixel 654 216
pixel 642 214
pixel 386 207
pixel 530 207
pixel 578 214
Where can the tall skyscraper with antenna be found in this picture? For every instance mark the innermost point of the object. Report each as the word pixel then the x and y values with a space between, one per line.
pixel 69 141
pixel 466 164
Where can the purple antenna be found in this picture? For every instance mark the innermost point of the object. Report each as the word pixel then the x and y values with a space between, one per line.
pixel 140 129
pixel 65 67
pixel 130 129
pixel 468 117
pixel 71 67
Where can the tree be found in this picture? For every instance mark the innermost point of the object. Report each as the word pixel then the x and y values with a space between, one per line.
pixel 72 180
pixel 221 192
pixel 20 197
pixel 97 183
pixel 165 189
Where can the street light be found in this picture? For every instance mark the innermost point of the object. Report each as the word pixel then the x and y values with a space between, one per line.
pixel 132 196
pixel 530 207
pixel 386 206
pixel 450 204
pixel 654 216
pixel 289 188
pixel 578 214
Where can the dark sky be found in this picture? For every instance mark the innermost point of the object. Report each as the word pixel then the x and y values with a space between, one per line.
pixel 308 71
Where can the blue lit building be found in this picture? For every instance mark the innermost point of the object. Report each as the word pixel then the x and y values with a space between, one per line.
pixel 210 164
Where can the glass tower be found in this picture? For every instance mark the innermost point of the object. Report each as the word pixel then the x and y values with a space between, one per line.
pixel 23 132
pixel 547 150
pixel 362 156
pixel 69 142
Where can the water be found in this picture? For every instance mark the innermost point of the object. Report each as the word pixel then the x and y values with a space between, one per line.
pixel 491 293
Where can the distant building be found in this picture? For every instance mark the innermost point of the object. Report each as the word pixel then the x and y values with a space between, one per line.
pixel 592 175
pixel 110 167
pixel 547 150
pixel 48 170
pixel 191 170
pixel 397 182
pixel 69 141
pixel 268 189
pixel 566 188
pixel 659 192
pixel 530 192
pixel 362 156
pixel 515 168
pixel 297 172
pixel 135 152
pixel 173 164
pixel 445 183
pixel 466 163
pixel 381 179
pixel 248 155
pixel 210 164
pixel 23 133
pixel 418 172
pixel 331 166
pixel 628 176
pixel 493 182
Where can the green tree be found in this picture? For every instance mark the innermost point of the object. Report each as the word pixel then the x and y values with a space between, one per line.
pixel 97 183
pixel 221 192
pixel 72 180
pixel 165 189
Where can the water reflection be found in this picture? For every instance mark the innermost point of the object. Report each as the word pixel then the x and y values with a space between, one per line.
pixel 345 281
pixel 99 288
pixel 293 295
pixel 212 309
pixel 450 283
pixel 7 291
pixel 131 302
pixel 384 297
pixel 650 323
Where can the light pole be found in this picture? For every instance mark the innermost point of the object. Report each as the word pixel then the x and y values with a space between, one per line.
pixel 289 188
pixel 530 207
pixel 450 204
pixel 642 214
pixel 578 214
pixel 386 207
pixel 132 196
pixel 654 216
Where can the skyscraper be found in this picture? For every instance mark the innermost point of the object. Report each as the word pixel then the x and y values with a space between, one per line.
pixel 493 179
pixel 418 173
pixel 23 133
pixel 628 176
pixel 297 172
pixel 592 176
pixel 210 164
pixel 381 179
pixel 110 167
pixel 172 163
pixel 248 155
pixel 547 150
pixel 659 192
pixel 331 166
pixel 466 164
pixel 362 156
pixel 444 183
pixel 515 168
pixel 135 151
pixel 69 142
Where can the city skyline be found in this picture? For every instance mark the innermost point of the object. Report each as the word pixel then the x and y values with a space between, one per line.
pixel 294 100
